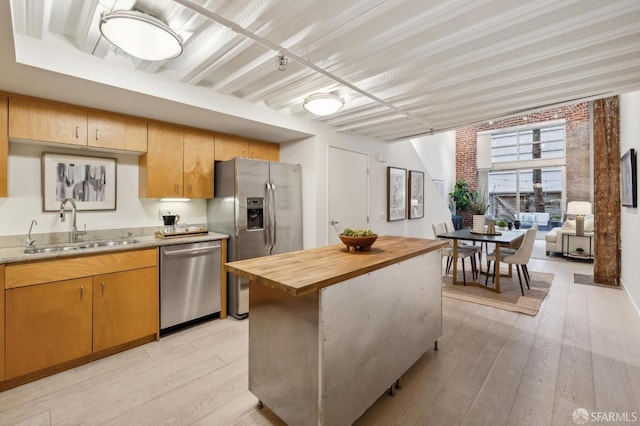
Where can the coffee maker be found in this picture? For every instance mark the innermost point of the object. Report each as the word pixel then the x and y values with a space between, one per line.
pixel 170 222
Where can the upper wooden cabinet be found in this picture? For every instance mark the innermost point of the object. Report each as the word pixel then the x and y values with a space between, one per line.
pixel 161 168
pixel 178 163
pixel 44 121
pixel 229 146
pixel 198 156
pixel 264 150
pixel 4 146
pixel 114 131
pixel 47 121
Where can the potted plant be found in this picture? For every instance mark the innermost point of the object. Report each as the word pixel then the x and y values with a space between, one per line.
pixel 501 224
pixel 478 206
pixel 461 195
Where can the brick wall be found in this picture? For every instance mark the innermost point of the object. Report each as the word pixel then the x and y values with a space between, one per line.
pixel 577 146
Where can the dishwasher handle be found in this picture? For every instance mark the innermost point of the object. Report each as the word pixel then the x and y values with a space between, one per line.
pixel 191 251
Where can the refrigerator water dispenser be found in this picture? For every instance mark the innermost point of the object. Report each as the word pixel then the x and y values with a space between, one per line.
pixel 255 213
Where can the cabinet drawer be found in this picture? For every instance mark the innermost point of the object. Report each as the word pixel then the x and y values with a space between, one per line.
pixel 31 273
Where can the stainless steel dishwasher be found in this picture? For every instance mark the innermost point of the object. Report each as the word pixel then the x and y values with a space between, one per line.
pixel 189 283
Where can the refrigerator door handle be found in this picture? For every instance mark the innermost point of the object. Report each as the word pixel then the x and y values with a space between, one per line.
pixel 274 209
pixel 267 225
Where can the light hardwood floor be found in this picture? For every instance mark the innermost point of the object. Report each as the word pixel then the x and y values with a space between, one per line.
pixel 493 368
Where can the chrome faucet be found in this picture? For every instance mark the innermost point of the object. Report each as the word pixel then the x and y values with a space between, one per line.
pixel 73 234
pixel 31 241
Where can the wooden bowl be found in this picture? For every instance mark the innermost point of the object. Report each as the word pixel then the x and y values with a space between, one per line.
pixel 358 243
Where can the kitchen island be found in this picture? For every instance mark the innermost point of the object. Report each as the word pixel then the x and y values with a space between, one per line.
pixel 330 330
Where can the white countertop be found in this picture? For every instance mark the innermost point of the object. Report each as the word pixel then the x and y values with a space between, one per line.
pixel 17 254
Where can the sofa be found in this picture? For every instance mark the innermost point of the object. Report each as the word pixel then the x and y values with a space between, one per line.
pixel 540 219
pixel 553 238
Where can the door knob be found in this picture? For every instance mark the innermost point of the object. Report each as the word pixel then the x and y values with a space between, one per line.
pixel 334 222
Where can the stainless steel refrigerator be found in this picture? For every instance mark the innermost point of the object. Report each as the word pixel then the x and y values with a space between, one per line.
pixel 259 204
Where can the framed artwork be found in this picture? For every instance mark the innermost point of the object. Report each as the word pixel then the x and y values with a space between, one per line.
pixel 396 194
pixel 416 194
pixel 89 181
pixel 628 179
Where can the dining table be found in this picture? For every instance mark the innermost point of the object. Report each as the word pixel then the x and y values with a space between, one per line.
pixel 499 238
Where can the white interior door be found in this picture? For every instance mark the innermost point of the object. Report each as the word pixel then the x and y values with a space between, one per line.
pixel 348 191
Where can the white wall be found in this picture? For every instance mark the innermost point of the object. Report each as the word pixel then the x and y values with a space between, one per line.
pixel 630 223
pixel 438 153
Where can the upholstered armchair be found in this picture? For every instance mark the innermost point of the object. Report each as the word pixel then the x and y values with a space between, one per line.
pixel 553 238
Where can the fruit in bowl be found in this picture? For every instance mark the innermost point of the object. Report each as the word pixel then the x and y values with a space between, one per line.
pixel 358 239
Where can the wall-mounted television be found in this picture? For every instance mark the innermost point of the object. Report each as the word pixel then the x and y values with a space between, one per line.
pixel 628 179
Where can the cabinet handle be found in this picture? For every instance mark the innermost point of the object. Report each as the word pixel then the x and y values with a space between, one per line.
pixel 81 293
pixel 96 134
pixel 77 132
pixel 189 188
pixel 177 188
pixel 244 154
pixel 102 288
pixel 253 155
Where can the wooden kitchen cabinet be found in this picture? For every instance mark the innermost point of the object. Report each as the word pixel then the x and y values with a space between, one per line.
pixel 47 325
pixel 161 168
pixel 229 146
pixel 264 150
pixel 198 156
pixel 37 120
pixel 178 163
pixel 4 146
pixel 65 312
pixel 125 307
pixel 115 131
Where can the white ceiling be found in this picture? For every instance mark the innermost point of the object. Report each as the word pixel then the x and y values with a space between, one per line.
pixel 405 68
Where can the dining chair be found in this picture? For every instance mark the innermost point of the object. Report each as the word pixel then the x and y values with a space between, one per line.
pixel 476 248
pixel 462 252
pixel 520 258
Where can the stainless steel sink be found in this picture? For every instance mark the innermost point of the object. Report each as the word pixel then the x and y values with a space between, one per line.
pixel 52 249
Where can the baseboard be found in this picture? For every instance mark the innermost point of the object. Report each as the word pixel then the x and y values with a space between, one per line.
pixel 633 303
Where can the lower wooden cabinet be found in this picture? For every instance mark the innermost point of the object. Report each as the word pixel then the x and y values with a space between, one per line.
pixel 125 307
pixel 47 324
pixel 102 303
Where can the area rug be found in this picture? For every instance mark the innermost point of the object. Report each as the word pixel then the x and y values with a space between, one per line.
pixel 510 298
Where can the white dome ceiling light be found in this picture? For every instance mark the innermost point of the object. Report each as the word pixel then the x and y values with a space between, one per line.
pixel 323 103
pixel 140 35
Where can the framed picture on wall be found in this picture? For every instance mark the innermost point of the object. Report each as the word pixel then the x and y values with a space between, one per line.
pixel 628 179
pixel 396 194
pixel 89 181
pixel 416 194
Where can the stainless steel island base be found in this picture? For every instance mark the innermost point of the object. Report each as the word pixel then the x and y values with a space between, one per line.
pixel 323 358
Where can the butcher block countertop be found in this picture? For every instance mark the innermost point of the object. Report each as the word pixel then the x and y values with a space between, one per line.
pixel 306 271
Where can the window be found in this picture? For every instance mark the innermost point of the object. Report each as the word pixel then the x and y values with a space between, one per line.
pixel 529 144
pixel 526 178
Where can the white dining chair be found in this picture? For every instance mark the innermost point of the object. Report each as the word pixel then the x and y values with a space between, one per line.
pixel 476 248
pixel 520 258
pixel 462 252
